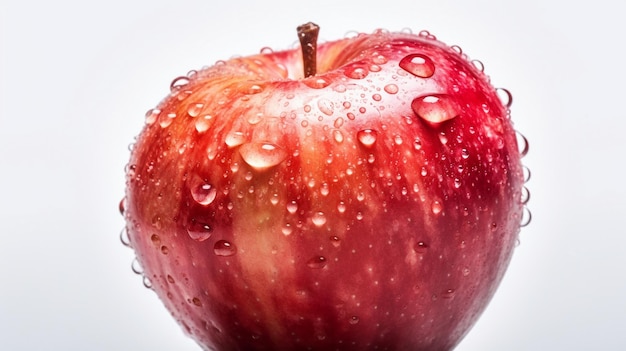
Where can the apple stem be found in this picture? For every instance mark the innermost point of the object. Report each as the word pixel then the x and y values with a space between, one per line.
pixel 307 33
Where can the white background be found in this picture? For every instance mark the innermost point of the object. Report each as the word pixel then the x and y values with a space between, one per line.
pixel 76 78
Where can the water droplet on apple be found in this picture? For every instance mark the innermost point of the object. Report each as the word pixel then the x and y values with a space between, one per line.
pixel 287 229
pixel 326 106
pixel 464 154
pixel 522 144
pixel 156 240
pixel 178 83
pixel 340 88
pixel 292 207
pixel 318 219
pixel 335 241
pixel 166 120
pixel 136 267
pixel 526 217
pixel 338 135
pixel 194 109
pixel 434 108
pixel 391 88
pixel 525 197
pixel 505 97
pixel 379 59
pixel 203 193
pixel 124 237
pixel 465 271
pixel 420 247
pixel 448 294
pixel 341 207
pixel 354 320
pixel 479 65
pixel 526 172
pixel 324 189
pixel 152 115
pixel 199 231
pixel 266 50
pixel 367 137
pixel 234 139
pixel 196 301
pixel 307 109
pixel 261 156
pixel 147 282
pixel 376 97
pixel 317 262
pixel 457 49
pixel 224 248
pixel 356 72
pixel 316 82
pixel 436 207
pixel 165 250
pixel 418 65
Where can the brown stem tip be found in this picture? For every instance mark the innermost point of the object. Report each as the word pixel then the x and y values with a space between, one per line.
pixel 307 33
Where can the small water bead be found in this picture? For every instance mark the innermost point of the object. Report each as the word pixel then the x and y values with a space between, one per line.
pixel 434 108
pixel 316 82
pixel 262 156
pixel 367 137
pixel 457 49
pixel 341 207
pixel 292 207
pixel 443 138
pixel 377 97
pixel 324 189
pixel 354 320
pixel 202 123
pixel 526 172
pixel 193 110
pixel 420 247
pixel 317 262
pixel 147 282
pixel 522 144
pixel 362 109
pixel 165 250
pixel 318 219
pixel 307 108
pixel 335 241
pixel 418 65
pixel 152 115
pixel 135 266
pixel 340 88
pixel 506 98
pixel 525 196
pixel 287 229
pixel 224 248
pixel 199 231
pixel 391 89
pixel 124 238
pixel 338 135
pixel 375 68
pixel 178 83
pixel 235 138
pixel 436 207
pixel 479 65
pixel 356 72
pixel 326 106
pixel 448 294
pixel 203 193
pixel 166 120
pixel 526 217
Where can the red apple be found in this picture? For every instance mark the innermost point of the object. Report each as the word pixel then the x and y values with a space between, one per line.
pixel 372 205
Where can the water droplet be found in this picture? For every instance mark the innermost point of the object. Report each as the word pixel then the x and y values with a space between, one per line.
pixel 194 109
pixel 203 193
pixel 292 207
pixel 166 120
pixel 526 217
pixel 234 139
pixel 457 49
pixel 434 108
pixel 262 156
pixel 420 247
pixel 505 97
pixel 266 50
pixel 367 137
pixel 448 294
pixel 151 115
pixel 338 135
pixel 356 72
pixel 464 154
pixel 287 229
pixel 202 124
pixel 316 82
pixel 122 205
pixel 525 197
pixel 178 83
pixel 170 279
pixel 354 320
pixel 165 250
pixel 147 283
pixel 522 144
pixel 465 272
pixel 317 262
pixel 325 189
pixel 526 172
pixel 199 231
pixel 124 237
pixel 318 219
pixel 391 88
pixel 224 248
pixel 307 108
pixel 136 267
pixel 418 65
pixel 436 207
pixel 196 301
pixel 379 59
pixel 335 241
pixel 377 97
pixel 156 240
pixel 479 65
pixel 341 207
pixel 326 106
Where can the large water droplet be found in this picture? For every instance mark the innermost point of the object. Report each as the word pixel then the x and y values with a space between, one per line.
pixel 199 231
pixel 178 83
pixel 262 156
pixel 326 106
pixel 234 139
pixel 318 219
pixel 434 108
pixel 418 65
pixel 356 72
pixel 203 193
pixel 367 137
pixel 317 262
pixel 506 98
pixel 224 248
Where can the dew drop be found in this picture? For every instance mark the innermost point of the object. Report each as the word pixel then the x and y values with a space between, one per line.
pixel 254 89
pixel 525 197
pixel 418 65
pixel 464 154
pixel 376 97
pixel 287 229
pixel 448 294
pixel 379 59
pixel 224 248
pixel 420 247
pixel 165 250
pixel 151 115
pixel 479 65
pixel 526 173
pixel 316 82
pixel 202 124
pixel 124 239
pixel 434 108
pixel 307 108
pixel 262 156
pixel 356 72
pixel 325 189
pixel 234 139
pixel 326 106
pixel 204 193
pixel 354 320
pixel 436 207
pixel 505 97
pixel 522 144
pixel 318 219
pixel 340 88
pixel 196 301
pixel 526 217
pixel 457 183
pixel 147 282
pixel 391 89
pixel 367 137
pixel 179 83
pixel 335 241
pixel 165 121
pixel 317 262
pixel 457 49
pixel 292 207
pixel 199 231
pixel 341 207
pixel 194 109
pixel 135 266
pixel 156 240
pixel 266 50
pixel 338 135
pixel 122 206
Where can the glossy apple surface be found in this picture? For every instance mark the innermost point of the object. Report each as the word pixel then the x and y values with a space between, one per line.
pixel 373 206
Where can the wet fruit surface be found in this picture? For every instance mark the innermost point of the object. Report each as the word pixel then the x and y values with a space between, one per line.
pixel 372 206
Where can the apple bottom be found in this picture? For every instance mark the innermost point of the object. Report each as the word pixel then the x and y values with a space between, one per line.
pixel 411 282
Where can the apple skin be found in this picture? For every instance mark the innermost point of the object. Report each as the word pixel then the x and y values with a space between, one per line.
pixel 375 205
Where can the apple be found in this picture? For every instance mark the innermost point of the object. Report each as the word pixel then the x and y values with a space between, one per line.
pixel 360 194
